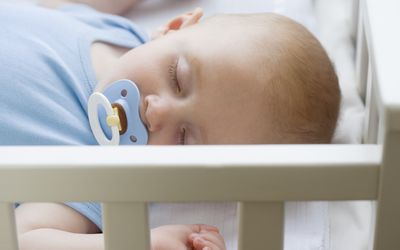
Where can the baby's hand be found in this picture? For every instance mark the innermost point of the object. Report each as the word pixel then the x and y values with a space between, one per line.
pixel 207 240
pixel 183 237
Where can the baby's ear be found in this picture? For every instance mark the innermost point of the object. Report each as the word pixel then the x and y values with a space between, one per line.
pixel 179 22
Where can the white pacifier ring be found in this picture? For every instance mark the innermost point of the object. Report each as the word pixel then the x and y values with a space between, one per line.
pixel 95 100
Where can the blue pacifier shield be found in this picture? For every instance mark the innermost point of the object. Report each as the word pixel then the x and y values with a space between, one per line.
pixel 126 94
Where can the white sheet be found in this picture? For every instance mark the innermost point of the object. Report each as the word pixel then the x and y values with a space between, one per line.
pixel 152 13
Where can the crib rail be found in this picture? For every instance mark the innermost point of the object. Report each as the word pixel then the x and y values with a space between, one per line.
pixel 379 33
pixel 125 178
pixel 245 173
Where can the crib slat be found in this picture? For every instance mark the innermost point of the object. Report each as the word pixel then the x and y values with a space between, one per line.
pixel 8 232
pixel 126 226
pixel 388 212
pixel 362 59
pixel 261 225
pixel 371 115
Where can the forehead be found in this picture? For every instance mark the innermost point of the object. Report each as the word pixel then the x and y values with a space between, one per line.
pixel 229 103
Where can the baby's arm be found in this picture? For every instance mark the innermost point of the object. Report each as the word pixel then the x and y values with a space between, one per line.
pixel 110 6
pixel 59 227
pixel 55 226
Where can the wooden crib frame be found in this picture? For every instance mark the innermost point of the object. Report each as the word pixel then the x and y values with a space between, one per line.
pixel 260 177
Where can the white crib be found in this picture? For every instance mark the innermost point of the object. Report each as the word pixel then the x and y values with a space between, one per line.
pixel 261 178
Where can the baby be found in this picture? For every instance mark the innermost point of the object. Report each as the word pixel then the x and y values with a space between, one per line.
pixel 230 79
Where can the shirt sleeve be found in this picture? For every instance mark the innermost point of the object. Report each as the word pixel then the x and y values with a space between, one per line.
pixel 91 210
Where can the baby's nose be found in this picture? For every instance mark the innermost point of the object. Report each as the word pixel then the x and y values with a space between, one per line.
pixel 157 111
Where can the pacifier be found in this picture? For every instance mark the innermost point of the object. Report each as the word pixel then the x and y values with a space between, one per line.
pixel 114 115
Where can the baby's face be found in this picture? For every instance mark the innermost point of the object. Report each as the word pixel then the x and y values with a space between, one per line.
pixel 197 87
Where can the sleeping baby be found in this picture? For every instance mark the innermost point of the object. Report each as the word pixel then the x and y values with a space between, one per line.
pixel 228 79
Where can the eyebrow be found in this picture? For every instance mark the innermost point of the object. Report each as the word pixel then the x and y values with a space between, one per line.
pixel 194 67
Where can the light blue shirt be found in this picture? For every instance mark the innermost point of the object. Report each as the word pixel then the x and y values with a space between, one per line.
pixel 46 75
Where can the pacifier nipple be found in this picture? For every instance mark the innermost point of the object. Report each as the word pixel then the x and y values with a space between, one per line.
pixel 121 117
pixel 118 118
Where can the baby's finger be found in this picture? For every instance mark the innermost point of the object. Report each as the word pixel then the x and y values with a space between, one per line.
pixel 204 227
pixel 197 228
pixel 211 239
pixel 201 244
pixel 212 236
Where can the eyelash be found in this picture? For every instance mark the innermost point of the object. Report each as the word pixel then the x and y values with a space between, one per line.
pixel 172 74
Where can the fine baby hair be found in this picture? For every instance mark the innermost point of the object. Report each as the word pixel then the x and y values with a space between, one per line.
pixel 300 82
